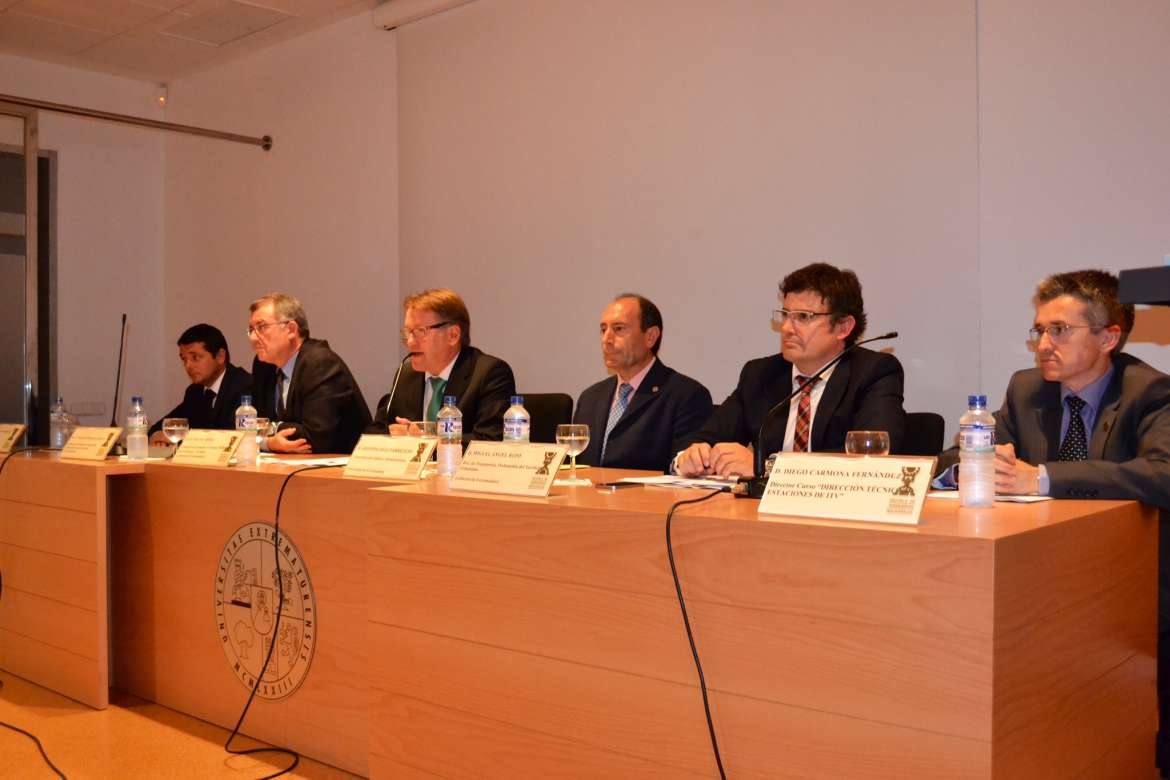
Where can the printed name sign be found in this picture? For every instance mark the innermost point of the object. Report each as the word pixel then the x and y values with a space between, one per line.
pixel 514 469
pixel 204 447
pixel 9 435
pixel 848 487
pixel 390 457
pixel 88 443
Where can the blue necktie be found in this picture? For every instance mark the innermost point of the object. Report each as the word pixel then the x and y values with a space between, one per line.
pixel 615 414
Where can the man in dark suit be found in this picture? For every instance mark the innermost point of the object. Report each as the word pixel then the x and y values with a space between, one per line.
pixel 436 329
pixel 301 383
pixel 638 417
pixel 1089 422
pixel 822 315
pixel 216 385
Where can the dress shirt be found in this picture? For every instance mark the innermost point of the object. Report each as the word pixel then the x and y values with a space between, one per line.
pixel 428 389
pixel 633 382
pixel 814 400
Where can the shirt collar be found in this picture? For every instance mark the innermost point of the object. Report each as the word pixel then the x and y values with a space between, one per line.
pixel 636 380
pixel 214 386
pixel 287 368
pixel 821 382
pixel 1091 393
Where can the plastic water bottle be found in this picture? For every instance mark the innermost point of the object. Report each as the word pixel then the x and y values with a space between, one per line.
pixel 977 454
pixel 247 452
pixel 516 421
pixel 58 425
pixel 136 427
pixel 450 427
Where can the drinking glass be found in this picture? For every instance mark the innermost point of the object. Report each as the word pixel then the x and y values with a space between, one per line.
pixel 263 431
pixel 867 443
pixel 426 429
pixel 175 429
pixel 574 438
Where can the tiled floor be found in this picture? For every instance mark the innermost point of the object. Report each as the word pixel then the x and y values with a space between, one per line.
pixel 132 738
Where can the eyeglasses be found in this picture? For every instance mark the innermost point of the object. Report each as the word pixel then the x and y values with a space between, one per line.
pixel 422 330
pixel 259 328
pixel 797 316
pixel 1058 332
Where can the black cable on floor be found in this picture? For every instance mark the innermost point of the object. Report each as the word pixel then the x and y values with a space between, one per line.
pixel 682 604
pixel 33 737
pixel 296 759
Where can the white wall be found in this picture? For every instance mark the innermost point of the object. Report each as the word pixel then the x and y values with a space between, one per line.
pixel 953 153
pixel 317 216
pixel 109 233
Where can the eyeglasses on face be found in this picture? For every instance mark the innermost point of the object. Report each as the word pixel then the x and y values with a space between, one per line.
pixel 259 328
pixel 422 330
pixel 797 316
pixel 1058 332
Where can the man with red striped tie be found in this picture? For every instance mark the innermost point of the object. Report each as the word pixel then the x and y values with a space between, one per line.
pixel 822 314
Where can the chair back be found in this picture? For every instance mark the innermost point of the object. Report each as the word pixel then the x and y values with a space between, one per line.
pixel 547 411
pixel 924 434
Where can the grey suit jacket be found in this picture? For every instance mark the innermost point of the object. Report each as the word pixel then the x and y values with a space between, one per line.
pixel 1129 449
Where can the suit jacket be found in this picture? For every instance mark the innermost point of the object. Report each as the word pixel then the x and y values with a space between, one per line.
pixel 864 392
pixel 222 414
pixel 1129 448
pixel 483 386
pixel 668 408
pixel 325 404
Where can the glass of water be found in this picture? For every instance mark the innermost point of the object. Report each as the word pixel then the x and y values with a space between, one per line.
pixel 574 438
pixel 867 443
pixel 175 429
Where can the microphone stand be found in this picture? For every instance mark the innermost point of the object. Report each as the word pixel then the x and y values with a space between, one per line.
pixel 754 487
pixel 118 448
pixel 394 387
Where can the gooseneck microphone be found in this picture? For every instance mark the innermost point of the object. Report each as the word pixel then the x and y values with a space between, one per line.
pixel 118 374
pixel 394 387
pixel 756 484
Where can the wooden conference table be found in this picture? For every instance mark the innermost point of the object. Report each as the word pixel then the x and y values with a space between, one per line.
pixel 466 635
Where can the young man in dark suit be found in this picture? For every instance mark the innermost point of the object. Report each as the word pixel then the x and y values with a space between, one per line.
pixel 216 385
pixel 300 383
pixel 638 416
pixel 822 315
pixel 1090 422
pixel 436 329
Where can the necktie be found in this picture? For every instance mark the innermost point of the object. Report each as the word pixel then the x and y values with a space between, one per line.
pixel 280 394
pixel 615 414
pixel 209 398
pixel 1076 444
pixel 803 414
pixel 438 385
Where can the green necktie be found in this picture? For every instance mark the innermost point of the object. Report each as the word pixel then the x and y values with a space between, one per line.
pixel 438 385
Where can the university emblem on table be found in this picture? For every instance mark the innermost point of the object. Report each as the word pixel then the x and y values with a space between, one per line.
pixel 246 594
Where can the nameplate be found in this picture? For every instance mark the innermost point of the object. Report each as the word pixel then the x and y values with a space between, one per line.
pixel 848 487
pixel 10 434
pixel 205 447
pixel 514 469
pixel 390 457
pixel 88 443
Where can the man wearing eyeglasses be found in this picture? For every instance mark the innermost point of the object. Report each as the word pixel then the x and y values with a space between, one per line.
pixel 436 329
pixel 300 383
pixel 823 314
pixel 1090 422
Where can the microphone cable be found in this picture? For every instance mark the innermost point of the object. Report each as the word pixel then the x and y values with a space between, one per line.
pixel 5 724
pixel 682 604
pixel 296 759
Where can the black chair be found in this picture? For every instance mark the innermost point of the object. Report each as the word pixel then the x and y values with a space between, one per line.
pixel 924 434
pixel 547 411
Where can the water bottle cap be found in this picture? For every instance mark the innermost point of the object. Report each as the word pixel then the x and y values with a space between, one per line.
pixel 245 400
pixel 136 399
pixel 517 400
pixel 448 400
pixel 976 400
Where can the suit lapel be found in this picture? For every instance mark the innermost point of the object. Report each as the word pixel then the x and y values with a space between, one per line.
pixel 460 376
pixel 830 399
pixel 1048 414
pixel 647 393
pixel 1106 416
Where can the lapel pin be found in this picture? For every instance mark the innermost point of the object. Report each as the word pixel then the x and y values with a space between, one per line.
pixel 654 389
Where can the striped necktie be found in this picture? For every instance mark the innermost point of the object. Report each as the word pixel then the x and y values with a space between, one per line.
pixel 803 414
pixel 615 414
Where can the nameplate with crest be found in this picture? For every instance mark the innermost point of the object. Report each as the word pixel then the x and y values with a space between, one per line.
pixel 878 489
pixel 10 434
pixel 88 443
pixel 510 468
pixel 390 457
pixel 206 447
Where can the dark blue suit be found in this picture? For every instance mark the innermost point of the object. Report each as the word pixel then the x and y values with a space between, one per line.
pixel 222 414
pixel 668 408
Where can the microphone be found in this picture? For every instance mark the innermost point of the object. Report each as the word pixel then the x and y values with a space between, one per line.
pixel 394 387
pixel 755 486
pixel 118 449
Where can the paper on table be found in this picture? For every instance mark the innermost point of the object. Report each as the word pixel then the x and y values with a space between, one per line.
pixel 954 494
pixel 671 480
pixel 269 458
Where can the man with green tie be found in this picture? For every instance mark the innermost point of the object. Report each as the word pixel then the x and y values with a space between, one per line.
pixel 436 329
